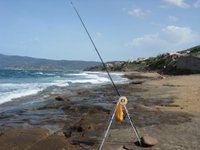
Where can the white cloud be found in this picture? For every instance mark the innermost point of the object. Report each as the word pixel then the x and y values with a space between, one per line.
pixel 178 35
pixel 147 45
pixel 177 3
pixel 138 12
pixel 149 39
pixel 172 18
pixel 197 4
pixel 170 37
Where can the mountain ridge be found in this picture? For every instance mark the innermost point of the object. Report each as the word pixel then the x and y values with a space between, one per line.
pixel 26 62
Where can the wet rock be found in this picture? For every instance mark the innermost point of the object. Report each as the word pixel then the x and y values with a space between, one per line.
pixel 59 98
pixel 77 128
pixel 114 147
pixel 84 109
pixel 137 82
pixel 149 141
pixel 128 147
pixel 171 105
pixel 88 124
pixel 68 131
pixel 1 133
pixel 83 143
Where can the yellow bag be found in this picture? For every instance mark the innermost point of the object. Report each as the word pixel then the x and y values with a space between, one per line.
pixel 119 114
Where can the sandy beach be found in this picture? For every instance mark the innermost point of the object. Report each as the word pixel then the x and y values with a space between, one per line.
pixel 164 107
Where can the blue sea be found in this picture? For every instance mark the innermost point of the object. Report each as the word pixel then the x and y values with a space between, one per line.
pixel 23 91
pixel 16 84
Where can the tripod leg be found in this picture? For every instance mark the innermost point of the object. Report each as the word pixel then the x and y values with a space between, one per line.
pixel 104 138
pixel 134 128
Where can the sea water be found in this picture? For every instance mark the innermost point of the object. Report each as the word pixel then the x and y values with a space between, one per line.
pixel 15 84
pixel 23 91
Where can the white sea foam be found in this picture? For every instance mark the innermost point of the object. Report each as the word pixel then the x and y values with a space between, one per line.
pixel 77 74
pixel 60 83
pixel 45 74
pixel 92 81
pixel 17 93
pixel 12 89
pixel 39 73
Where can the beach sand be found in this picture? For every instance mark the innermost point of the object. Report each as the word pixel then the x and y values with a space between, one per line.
pixel 164 107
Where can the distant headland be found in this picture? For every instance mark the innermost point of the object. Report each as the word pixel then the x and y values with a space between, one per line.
pixel 29 63
pixel 181 62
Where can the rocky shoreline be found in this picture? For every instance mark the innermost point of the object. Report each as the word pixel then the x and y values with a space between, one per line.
pixel 153 103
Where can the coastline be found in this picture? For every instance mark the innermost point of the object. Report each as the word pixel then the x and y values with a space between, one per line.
pixel 165 108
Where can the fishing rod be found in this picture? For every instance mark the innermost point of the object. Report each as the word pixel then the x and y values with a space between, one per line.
pixel 114 86
pixel 103 63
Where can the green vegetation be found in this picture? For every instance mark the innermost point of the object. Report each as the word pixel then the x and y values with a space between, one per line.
pixel 159 63
pixel 163 63
pixel 195 50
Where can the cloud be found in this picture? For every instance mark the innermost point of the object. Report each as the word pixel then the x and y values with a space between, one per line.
pixel 148 45
pixel 197 4
pixel 172 18
pixel 177 3
pixel 170 37
pixel 151 40
pixel 138 12
pixel 178 35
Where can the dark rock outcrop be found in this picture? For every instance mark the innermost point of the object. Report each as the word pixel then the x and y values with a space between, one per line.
pixel 188 64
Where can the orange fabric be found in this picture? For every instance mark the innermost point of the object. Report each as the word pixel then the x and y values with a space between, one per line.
pixel 119 114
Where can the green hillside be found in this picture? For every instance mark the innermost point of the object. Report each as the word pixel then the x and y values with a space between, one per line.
pixel 168 63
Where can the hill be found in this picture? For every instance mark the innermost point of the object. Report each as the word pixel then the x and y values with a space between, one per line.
pixel 23 62
pixel 181 62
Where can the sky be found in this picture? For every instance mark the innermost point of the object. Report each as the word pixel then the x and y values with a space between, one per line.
pixel 121 29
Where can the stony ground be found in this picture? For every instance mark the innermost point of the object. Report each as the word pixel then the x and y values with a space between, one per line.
pixel 166 108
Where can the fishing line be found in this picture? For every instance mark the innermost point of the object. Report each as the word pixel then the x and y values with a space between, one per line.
pixel 104 65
